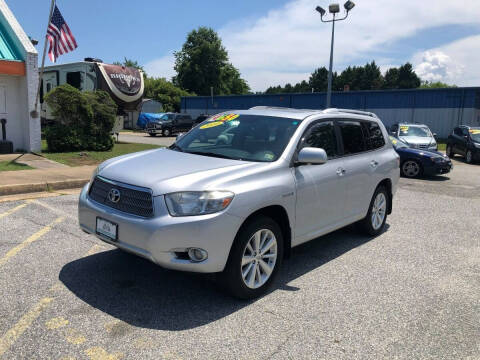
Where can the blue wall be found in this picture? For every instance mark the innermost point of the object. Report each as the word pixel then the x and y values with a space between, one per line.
pixel 360 100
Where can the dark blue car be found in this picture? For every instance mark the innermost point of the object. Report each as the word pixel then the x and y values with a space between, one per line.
pixel 417 162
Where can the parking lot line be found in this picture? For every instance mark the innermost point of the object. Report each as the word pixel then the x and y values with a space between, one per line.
pixel 54 210
pixel 12 335
pixel 11 211
pixel 28 241
pixel 7 340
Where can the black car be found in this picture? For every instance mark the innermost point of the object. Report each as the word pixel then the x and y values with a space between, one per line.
pixel 201 118
pixel 465 141
pixel 169 124
pixel 416 162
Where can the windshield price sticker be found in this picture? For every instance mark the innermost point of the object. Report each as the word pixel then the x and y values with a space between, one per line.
pixel 404 128
pixel 474 131
pixel 219 120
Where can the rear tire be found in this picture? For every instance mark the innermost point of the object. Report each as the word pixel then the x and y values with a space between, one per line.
pixel 374 223
pixel 255 259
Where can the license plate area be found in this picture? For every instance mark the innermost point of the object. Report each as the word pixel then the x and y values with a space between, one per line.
pixel 107 228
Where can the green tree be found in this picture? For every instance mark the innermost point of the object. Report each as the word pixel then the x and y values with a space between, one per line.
pixel 203 63
pixel 435 85
pixel 391 79
pixel 407 79
pixel 166 92
pixel 83 120
pixel 318 80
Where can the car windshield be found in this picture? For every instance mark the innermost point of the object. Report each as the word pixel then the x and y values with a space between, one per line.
pixel 409 130
pixel 475 134
pixel 240 137
pixel 398 144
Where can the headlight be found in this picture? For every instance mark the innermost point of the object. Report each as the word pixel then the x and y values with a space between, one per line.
pixel 432 146
pixel 477 145
pixel 191 203
pixel 437 159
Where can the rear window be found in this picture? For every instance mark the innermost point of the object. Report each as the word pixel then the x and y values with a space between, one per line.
pixel 352 136
pixel 373 135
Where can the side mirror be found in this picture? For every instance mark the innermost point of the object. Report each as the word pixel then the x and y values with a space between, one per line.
pixel 311 155
pixel 179 135
pixel 434 135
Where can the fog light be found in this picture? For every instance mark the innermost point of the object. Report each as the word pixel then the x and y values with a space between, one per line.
pixel 197 255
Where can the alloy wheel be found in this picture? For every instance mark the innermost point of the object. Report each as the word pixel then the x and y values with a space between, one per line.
pixel 411 168
pixel 379 210
pixel 259 258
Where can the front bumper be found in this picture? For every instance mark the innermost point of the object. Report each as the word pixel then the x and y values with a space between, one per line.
pixel 158 238
pixel 154 131
pixel 438 168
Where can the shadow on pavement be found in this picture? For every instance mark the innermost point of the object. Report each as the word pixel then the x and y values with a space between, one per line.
pixel 144 295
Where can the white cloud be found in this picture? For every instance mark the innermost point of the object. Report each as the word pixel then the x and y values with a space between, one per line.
pixel 291 41
pixel 161 67
pixel 455 63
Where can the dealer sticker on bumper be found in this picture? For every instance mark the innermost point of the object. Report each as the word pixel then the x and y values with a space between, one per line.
pixel 107 228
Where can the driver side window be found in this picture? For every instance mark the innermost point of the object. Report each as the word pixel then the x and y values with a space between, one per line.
pixel 322 135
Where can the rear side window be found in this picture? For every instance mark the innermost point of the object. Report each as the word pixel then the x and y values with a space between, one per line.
pixel 322 136
pixel 457 131
pixel 352 136
pixel 373 135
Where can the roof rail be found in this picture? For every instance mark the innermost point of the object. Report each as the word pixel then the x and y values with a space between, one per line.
pixel 350 111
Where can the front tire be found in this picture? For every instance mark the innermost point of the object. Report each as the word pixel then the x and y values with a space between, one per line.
pixel 469 157
pixel 166 132
pixel 255 259
pixel 411 169
pixel 374 223
pixel 152 134
pixel 450 152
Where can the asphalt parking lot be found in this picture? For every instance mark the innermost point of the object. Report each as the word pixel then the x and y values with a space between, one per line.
pixel 411 293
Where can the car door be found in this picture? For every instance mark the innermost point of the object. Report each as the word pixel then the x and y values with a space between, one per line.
pixel 320 189
pixel 464 139
pixel 360 166
pixel 455 139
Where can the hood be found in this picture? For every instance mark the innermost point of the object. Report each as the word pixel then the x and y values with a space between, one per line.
pixel 429 153
pixel 166 171
pixel 418 140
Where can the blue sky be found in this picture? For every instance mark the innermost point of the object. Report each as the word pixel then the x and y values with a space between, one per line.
pixel 274 42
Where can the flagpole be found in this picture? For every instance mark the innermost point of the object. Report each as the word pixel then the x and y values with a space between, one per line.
pixel 35 113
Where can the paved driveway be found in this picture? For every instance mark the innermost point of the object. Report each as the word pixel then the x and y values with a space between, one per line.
pixel 142 138
pixel 412 292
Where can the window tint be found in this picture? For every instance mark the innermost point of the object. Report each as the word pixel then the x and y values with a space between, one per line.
pixel 457 131
pixel 352 136
pixel 75 79
pixel 373 135
pixel 322 135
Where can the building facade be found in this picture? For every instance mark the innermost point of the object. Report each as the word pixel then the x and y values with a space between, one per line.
pixel 18 83
pixel 440 109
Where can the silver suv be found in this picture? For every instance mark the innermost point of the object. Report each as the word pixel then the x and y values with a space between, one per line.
pixel 237 192
pixel 417 136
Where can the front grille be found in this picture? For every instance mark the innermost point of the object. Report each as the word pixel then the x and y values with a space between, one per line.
pixel 132 201
pixel 423 146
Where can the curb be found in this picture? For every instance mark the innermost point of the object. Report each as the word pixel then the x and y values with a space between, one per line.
pixel 41 187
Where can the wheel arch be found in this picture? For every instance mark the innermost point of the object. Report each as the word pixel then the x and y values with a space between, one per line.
pixel 280 216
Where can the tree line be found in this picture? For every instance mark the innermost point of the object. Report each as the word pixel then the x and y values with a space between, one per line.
pixel 203 64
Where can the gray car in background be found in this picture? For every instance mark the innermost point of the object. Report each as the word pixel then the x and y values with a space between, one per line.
pixel 238 191
pixel 417 136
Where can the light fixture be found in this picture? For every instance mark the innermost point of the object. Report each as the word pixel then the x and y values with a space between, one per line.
pixel 334 8
pixel 349 5
pixel 320 10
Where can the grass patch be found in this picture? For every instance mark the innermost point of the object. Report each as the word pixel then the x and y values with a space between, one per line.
pixel 442 146
pixel 79 158
pixel 13 166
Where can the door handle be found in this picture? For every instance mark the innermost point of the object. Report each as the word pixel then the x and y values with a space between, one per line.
pixel 373 163
pixel 341 171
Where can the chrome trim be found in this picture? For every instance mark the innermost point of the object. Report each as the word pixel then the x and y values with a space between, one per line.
pixel 133 187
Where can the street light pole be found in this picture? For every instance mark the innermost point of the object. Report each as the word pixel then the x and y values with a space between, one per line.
pixel 330 69
pixel 333 9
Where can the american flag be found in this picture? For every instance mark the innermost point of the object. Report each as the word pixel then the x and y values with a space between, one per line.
pixel 59 36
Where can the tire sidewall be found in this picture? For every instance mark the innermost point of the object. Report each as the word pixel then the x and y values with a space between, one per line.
pixel 166 132
pixel 471 157
pixel 232 275
pixel 449 151
pixel 367 222
pixel 419 169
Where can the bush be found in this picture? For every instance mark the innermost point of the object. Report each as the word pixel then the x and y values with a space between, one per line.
pixel 83 120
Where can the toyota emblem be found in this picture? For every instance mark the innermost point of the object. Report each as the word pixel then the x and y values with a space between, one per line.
pixel 114 195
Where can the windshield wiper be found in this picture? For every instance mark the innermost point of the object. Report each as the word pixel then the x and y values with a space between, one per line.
pixel 206 153
pixel 175 147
